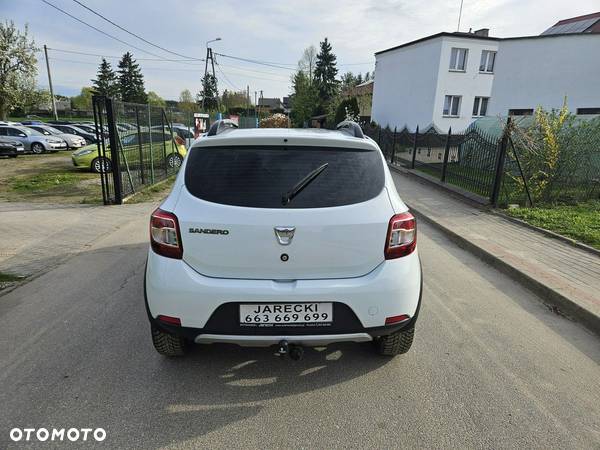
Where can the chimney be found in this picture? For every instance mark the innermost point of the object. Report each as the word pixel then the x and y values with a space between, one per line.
pixel 482 32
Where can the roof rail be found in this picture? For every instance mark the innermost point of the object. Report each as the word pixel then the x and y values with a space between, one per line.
pixel 350 127
pixel 221 125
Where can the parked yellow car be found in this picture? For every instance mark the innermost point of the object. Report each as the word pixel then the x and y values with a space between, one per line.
pixel 157 148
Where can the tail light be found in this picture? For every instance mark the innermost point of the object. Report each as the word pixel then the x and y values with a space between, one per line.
pixel 179 140
pixel 165 237
pixel 401 236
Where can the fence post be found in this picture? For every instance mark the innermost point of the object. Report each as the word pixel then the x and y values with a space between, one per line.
pixel 446 153
pixel 162 122
pixel 500 166
pixel 151 147
pixel 414 155
pixel 114 151
pixel 139 134
pixel 393 158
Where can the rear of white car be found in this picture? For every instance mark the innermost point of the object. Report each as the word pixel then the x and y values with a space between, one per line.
pixel 283 237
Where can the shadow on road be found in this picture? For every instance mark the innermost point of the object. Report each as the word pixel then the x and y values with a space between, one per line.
pixel 92 363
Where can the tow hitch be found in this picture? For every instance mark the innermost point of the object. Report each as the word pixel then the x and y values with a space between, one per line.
pixel 296 352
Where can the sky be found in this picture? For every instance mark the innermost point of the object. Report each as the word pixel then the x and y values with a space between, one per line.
pixel 275 32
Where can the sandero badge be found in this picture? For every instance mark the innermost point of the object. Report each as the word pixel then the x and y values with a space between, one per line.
pixel 208 231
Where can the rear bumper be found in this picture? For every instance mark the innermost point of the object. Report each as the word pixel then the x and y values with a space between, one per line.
pixel 209 307
pixel 266 341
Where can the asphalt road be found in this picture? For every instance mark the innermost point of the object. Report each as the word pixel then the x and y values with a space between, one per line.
pixel 490 368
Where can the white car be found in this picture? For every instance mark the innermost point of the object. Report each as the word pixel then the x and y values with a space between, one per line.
pixel 73 141
pixel 287 237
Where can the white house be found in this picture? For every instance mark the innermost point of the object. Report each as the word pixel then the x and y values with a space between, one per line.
pixel 444 80
pixel 543 70
pixel 450 79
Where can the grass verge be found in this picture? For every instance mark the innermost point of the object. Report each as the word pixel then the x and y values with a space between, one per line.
pixel 580 222
pixel 6 277
pixel 47 178
pixel 153 193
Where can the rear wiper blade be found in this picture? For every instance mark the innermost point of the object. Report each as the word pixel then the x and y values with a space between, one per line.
pixel 289 195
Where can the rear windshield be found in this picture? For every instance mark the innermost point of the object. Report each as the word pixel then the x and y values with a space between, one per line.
pixel 259 176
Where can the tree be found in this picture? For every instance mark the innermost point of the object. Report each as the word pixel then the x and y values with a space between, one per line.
pixel 348 81
pixel 131 81
pixel 325 73
pixel 18 68
pixel 308 62
pixel 234 101
pixel 106 80
pixel 155 99
pixel 304 99
pixel 347 110
pixel 83 101
pixel 186 101
pixel 209 95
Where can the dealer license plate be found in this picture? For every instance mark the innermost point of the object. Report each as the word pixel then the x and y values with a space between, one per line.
pixel 282 313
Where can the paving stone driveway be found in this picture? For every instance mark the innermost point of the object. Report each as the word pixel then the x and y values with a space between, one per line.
pixel 37 237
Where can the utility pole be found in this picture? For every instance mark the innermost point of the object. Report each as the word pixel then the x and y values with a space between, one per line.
pixel 204 79
pixel 260 99
pixel 247 101
pixel 255 106
pixel 50 83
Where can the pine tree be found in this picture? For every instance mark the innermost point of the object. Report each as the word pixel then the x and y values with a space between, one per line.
pixel 325 73
pixel 131 80
pixel 106 80
pixel 303 99
pixel 209 93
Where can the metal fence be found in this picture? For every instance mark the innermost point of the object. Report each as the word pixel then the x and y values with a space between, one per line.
pixel 510 164
pixel 137 146
pixel 469 160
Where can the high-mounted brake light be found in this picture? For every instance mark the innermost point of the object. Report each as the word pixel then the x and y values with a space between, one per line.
pixel 165 237
pixel 401 237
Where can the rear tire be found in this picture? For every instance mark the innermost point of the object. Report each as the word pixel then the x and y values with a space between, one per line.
pixel 101 165
pixel 396 343
pixel 167 344
pixel 37 148
pixel 174 160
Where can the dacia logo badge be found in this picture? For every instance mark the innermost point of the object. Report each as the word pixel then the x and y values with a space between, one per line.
pixel 284 234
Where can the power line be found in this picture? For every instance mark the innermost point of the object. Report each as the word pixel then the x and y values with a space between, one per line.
pixel 98 30
pixel 119 57
pixel 227 80
pixel 254 61
pixel 167 69
pixel 133 34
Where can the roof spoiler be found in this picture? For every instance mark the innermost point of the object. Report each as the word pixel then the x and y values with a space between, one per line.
pixel 350 127
pixel 221 125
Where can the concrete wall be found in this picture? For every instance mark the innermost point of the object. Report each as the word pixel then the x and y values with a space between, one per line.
pixel 468 84
pixel 405 84
pixel 542 71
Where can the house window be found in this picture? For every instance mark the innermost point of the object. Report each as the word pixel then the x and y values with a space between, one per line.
pixel 428 152
pixel 488 58
pixel 480 106
pixel 520 112
pixel 439 156
pixel 451 106
pixel 588 110
pixel 458 59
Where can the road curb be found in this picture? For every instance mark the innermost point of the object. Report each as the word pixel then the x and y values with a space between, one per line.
pixel 556 302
